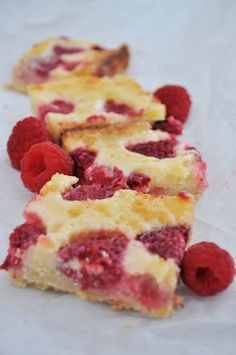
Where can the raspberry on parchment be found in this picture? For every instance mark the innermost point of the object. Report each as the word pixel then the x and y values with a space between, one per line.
pixel 207 269
pixel 25 133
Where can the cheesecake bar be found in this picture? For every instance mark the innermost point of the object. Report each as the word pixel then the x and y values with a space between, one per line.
pixel 150 160
pixel 125 249
pixel 59 57
pixel 91 101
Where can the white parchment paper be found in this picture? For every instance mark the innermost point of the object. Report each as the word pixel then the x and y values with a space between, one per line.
pixel 192 43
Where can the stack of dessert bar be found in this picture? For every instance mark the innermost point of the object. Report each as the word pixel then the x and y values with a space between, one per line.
pixel 117 231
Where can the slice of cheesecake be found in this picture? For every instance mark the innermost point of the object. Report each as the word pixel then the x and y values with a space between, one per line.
pixel 91 101
pixel 125 249
pixel 60 57
pixel 151 161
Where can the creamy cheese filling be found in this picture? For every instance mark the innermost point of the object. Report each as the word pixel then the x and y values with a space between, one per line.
pixel 173 174
pixel 130 212
pixel 138 261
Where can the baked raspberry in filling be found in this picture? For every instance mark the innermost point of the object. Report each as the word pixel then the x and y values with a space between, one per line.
pixel 97 48
pixel 57 106
pixel 146 290
pixel 105 176
pixel 95 264
pixel 100 182
pixel 167 242
pixel 60 50
pixel 21 239
pixel 170 125
pixel 121 108
pixel 38 69
pixel 157 149
pixel 43 66
pixel 83 159
pixel 96 118
pixel 138 182
pixel 99 259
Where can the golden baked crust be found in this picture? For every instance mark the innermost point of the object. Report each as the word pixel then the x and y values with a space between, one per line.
pixel 93 60
pixel 184 172
pixel 89 96
pixel 128 211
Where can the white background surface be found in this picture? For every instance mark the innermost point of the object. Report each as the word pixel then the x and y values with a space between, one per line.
pixel 192 43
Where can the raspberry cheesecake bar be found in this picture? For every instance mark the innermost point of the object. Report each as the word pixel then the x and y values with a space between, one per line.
pixel 124 249
pixel 59 57
pixel 149 160
pixel 91 101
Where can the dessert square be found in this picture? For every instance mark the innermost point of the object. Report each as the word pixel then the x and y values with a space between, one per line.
pixel 91 101
pixel 150 160
pixel 59 57
pixel 125 249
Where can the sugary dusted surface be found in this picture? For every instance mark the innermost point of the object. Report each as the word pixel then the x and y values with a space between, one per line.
pixel 60 57
pixel 93 102
pixel 180 168
pixel 104 260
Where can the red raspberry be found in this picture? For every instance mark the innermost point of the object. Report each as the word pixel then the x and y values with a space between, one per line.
pixel 57 106
pixel 83 159
pixel 102 183
pixel 114 178
pixel 139 182
pixel 170 125
pixel 87 192
pixel 60 50
pixel 177 101
pixel 167 242
pixel 43 66
pixel 160 149
pixel 100 257
pixel 26 132
pixel 41 162
pixel 21 239
pixel 207 269
pixel 123 109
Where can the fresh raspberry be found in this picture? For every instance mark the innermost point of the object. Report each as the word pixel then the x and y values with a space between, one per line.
pixel 177 101
pixel 21 239
pixel 25 133
pixel 123 109
pixel 41 162
pixel 207 269
pixel 170 125
pixel 139 182
pixel 83 159
pixel 167 242
pixel 100 258
pixel 57 106
pixel 159 149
